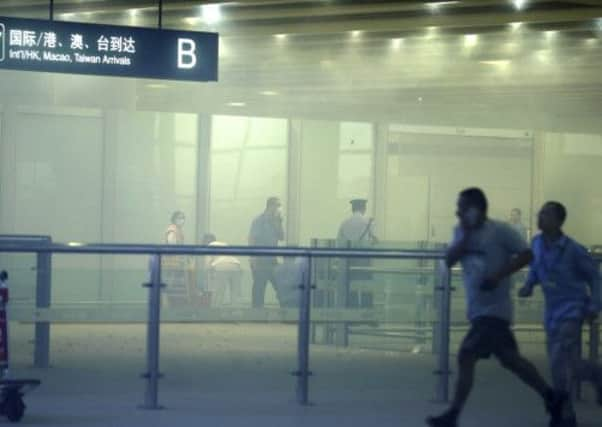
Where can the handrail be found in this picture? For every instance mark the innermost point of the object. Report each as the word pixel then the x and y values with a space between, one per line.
pixel 145 249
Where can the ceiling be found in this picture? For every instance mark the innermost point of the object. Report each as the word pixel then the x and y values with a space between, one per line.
pixel 375 59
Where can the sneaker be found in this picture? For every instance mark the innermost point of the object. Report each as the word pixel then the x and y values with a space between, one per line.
pixel 448 419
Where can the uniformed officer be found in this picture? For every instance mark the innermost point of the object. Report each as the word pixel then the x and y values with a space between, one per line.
pixel 357 229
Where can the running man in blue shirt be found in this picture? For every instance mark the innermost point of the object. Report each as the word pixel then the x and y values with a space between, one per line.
pixel 565 270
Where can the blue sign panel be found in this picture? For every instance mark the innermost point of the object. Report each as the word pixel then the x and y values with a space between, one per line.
pixel 107 50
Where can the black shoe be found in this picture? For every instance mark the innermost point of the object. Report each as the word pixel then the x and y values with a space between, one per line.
pixel 448 419
pixel 599 393
pixel 555 402
pixel 570 421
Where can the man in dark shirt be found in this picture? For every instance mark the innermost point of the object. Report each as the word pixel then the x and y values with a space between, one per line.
pixel 266 231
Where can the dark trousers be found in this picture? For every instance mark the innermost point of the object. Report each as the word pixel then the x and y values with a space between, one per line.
pixel 262 274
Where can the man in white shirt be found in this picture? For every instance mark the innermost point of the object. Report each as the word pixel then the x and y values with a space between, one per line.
pixel 358 228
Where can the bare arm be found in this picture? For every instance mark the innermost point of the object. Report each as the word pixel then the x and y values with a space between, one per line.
pixel 456 250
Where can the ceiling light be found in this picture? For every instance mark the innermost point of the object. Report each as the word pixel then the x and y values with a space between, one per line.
pixel 543 56
pixel 550 34
pixel 211 13
pixel 435 6
pixel 431 32
pixel 519 4
pixel 471 40
pixel 396 43
pixel 269 93
pixel 236 104
pixel 497 62
pixel 156 86
pixel 133 12
pixel 192 20
pixel 516 26
pixel 356 34
pixel 67 15
pixel 280 36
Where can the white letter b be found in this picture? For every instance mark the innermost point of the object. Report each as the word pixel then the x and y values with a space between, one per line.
pixel 186 53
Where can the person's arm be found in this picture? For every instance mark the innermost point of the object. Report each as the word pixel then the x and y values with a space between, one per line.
pixel 590 271
pixel 457 248
pixel 253 233
pixel 514 244
pixel 280 228
pixel 171 238
pixel 532 280
pixel 522 259
pixel 532 277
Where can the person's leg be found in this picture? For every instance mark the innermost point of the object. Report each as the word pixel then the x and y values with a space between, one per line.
pixel 564 342
pixel 218 286
pixel 466 369
pixel 555 401
pixel 467 360
pixel 525 370
pixel 261 277
pixel 235 286
pixel 578 369
pixel 592 372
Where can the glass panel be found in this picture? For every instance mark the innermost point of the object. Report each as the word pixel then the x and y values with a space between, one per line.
pixel 215 344
pixel 387 332
pixel 248 165
pixel 346 172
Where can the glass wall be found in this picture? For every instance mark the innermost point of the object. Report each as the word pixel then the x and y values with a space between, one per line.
pixel 249 161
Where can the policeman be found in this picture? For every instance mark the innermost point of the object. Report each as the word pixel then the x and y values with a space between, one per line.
pixel 357 230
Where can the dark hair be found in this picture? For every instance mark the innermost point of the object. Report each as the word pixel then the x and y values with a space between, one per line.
pixel 272 201
pixel 559 210
pixel 475 197
pixel 209 238
pixel 176 215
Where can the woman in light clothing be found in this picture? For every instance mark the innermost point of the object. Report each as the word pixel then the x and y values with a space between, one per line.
pixel 224 273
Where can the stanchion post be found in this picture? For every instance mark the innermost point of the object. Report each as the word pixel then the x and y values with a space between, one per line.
pixel 303 373
pixel 444 320
pixel 152 374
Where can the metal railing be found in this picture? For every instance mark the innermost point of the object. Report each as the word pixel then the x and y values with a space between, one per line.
pixel 43 247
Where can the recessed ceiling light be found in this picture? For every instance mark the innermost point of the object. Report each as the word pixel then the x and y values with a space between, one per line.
pixel 397 43
pixel 269 93
pixel 519 4
pixel 435 6
pixel 156 86
pixel 516 25
pixel 192 20
pixel 211 13
pixel 236 104
pixel 280 36
pixel 133 12
pixel 471 40
pixel 497 62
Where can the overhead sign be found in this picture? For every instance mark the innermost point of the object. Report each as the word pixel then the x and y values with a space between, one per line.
pixel 107 50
